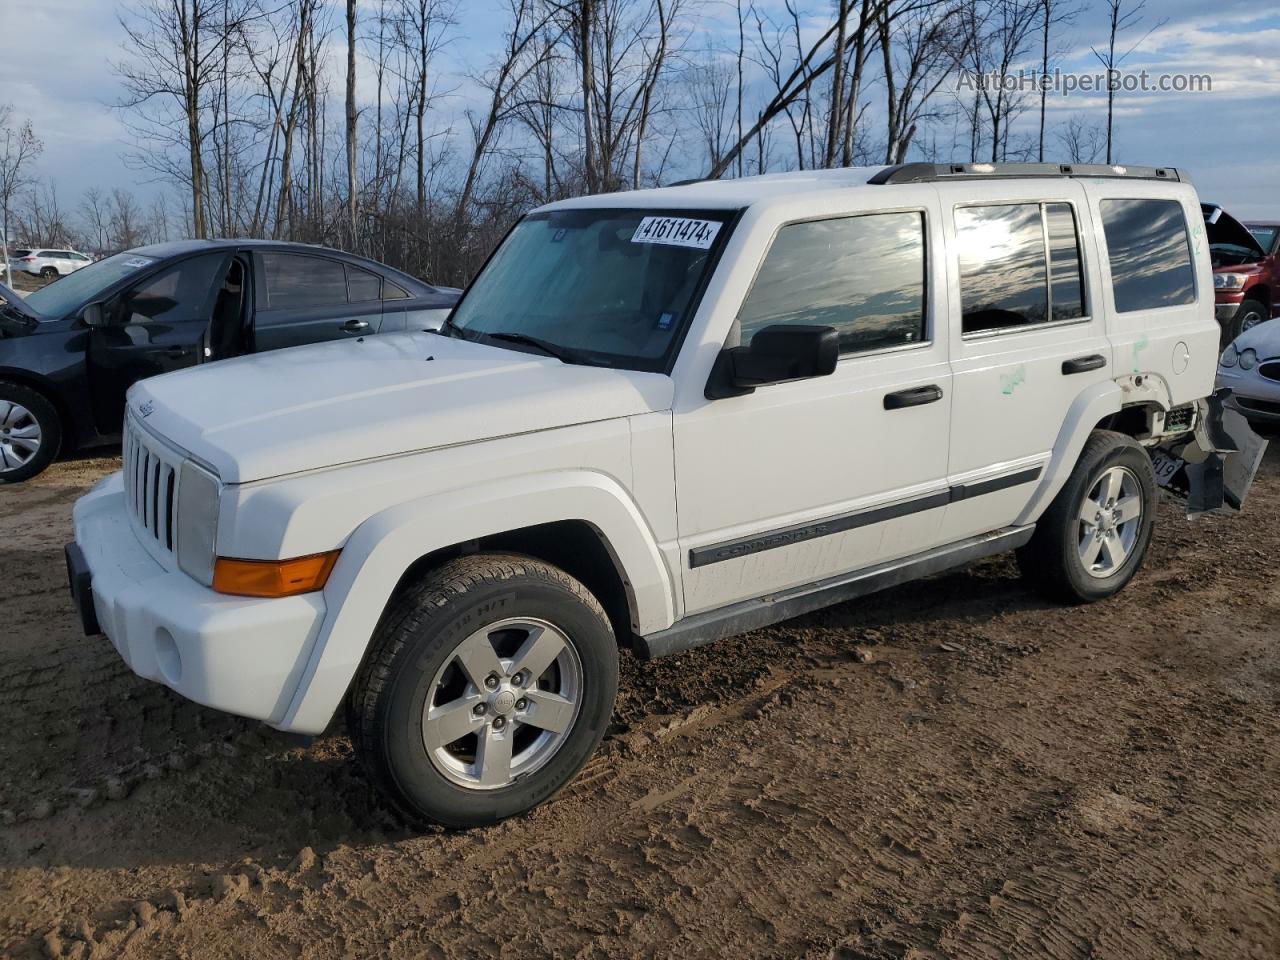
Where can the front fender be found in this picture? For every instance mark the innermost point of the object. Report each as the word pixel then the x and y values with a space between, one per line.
pixel 383 547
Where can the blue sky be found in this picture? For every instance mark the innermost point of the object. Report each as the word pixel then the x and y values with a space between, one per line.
pixel 58 73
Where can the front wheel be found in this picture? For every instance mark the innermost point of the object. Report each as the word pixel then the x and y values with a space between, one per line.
pixel 488 685
pixel 30 432
pixel 1094 536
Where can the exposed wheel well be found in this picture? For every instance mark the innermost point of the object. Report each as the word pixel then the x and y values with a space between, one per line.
pixel 574 546
pixel 1133 420
pixel 70 432
pixel 1261 293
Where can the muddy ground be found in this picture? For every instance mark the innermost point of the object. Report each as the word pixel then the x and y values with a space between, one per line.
pixel 1002 778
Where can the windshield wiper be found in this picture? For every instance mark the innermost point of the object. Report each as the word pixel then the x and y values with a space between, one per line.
pixel 563 354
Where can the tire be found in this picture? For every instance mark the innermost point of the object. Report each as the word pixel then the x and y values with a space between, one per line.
pixel 1055 559
pixel 26 417
pixel 470 605
pixel 1250 314
pixel 49 273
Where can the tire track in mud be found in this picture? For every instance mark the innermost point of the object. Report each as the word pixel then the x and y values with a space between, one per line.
pixel 1054 782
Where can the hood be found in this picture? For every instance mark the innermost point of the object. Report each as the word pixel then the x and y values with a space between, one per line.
pixel 319 406
pixel 1264 339
pixel 1221 227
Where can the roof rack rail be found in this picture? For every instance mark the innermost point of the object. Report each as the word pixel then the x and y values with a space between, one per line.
pixel 934 172
pixel 689 182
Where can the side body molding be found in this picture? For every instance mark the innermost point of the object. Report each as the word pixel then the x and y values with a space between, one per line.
pixel 1094 403
pixel 388 543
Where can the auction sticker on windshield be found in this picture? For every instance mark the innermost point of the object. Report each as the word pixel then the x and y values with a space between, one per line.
pixel 677 231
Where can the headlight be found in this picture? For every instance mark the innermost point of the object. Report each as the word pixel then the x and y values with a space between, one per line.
pixel 1229 281
pixel 1248 359
pixel 1229 356
pixel 197 521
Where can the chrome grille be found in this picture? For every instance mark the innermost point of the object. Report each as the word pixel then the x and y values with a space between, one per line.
pixel 150 486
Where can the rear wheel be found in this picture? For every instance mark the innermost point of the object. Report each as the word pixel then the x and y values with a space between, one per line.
pixel 49 273
pixel 30 432
pixel 1094 536
pixel 488 685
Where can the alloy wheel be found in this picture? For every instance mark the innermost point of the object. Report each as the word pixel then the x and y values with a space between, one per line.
pixel 1110 519
pixel 20 436
pixel 503 703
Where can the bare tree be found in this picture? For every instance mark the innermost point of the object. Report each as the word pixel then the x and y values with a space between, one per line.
pixel 820 57
pixel 173 49
pixel 1053 14
pixel 352 119
pixel 520 60
pixel 993 55
pixel 1120 19
pixel 19 147
pixel 1082 141
pixel 709 87
pixel 928 47
pixel 96 217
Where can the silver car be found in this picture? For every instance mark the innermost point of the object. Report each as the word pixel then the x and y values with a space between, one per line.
pixel 1250 366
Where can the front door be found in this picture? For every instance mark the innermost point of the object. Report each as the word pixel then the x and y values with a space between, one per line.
pixel 804 480
pixel 152 328
pixel 1029 337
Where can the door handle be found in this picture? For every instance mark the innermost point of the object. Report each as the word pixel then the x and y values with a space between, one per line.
pixel 1083 364
pixel 914 397
pixel 355 326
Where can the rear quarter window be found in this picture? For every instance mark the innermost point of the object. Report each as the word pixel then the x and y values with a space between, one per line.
pixel 1150 253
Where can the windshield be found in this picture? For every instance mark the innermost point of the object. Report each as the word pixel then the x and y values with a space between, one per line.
pixel 1266 236
pixel 75 289
pixel 609 287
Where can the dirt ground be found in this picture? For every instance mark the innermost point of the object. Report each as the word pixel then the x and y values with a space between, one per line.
pixel 1001 778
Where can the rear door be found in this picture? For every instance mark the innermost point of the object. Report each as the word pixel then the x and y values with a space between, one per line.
pixel 153 327
pixel 1028 336
pixel 308 298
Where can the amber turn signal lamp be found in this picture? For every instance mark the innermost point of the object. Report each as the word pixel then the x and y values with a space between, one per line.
pixel 273 578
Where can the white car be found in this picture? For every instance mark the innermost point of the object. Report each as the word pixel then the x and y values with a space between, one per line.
pixel 655 419
pixel 1250 367
pixel 49 262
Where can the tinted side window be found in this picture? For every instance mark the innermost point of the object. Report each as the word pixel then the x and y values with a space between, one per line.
pixel 1066 278
pixel 862 275
pixel 301 281
pixel 391 292
pixel 363 285
pixel 182 293
pixel 1150 253
pixel 1003 276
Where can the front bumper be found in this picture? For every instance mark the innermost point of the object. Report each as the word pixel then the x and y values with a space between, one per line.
pixel 237 654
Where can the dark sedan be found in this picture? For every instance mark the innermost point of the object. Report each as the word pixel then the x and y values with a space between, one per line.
pixel 69 351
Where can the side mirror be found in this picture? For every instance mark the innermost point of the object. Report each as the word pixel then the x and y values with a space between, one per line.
pixel 777 353
pixel 93 315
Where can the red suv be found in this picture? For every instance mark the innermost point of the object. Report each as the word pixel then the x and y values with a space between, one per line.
pixel 1246 269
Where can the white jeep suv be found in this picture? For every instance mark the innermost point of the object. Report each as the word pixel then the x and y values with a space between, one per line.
pixel 655 419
